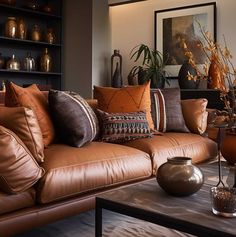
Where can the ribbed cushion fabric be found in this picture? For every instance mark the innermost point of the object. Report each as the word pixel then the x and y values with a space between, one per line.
pixel 121 127
pixel 74 119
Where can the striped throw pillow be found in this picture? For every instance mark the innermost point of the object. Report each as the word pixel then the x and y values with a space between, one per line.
pixel 167 111
pixel 75 121
pixel 123 127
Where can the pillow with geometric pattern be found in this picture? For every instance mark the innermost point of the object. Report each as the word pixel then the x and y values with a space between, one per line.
pixel 123 127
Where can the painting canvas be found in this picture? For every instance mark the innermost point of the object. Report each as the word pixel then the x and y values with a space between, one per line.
pixel 175 26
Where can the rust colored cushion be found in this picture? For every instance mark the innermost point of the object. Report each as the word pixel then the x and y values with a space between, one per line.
pixel 18 168
pixel 23 122
pixel 195 114
pixel 31 97
pixel 125 100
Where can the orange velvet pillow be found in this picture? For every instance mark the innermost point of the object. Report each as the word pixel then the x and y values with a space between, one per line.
pixel 31 97
pixel 125 99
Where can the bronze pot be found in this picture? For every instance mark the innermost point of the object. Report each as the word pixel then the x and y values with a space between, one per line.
pixel 179 177
pixel 228 148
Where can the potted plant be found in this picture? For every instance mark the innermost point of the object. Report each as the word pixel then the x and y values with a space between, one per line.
pixel 151 68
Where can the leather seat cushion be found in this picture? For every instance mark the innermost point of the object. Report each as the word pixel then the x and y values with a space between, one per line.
pixel 13 202
pixel 71 171
pixel 161 147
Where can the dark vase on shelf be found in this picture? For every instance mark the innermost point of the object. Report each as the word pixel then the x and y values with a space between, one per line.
pixel 184 82
pixel 116 75
pixel 116 78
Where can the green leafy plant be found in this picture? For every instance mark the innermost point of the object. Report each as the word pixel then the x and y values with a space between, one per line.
pixel 151 68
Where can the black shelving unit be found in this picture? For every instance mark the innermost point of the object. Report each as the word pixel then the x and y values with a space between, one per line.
pixel 20 48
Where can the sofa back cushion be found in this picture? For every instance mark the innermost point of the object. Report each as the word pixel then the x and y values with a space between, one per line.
pixel 75 121
pixel 195 114
pixel 31 97
pixel 23 122
pixel 125 100
pixel 18 168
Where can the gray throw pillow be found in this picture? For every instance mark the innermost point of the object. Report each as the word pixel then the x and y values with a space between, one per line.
pixel 167 111
pixel 75 121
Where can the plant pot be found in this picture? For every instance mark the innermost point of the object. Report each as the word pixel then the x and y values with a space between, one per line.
pixel 228 148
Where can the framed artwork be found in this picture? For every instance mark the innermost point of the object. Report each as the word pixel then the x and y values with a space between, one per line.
pixel 172 26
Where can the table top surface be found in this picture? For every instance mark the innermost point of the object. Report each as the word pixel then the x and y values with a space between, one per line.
pixel 194 210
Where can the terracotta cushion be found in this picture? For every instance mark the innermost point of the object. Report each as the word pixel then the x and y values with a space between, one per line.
pixel 167 111
pixel 71 171
pixel 74 119
pixel 18 168
pixel 195 114
pixel 9 202
pixel 125 99
pixel 160 147
pixel 31 97
pixel 23 122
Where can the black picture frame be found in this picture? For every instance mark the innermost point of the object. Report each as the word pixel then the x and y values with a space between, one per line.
pixel 169 25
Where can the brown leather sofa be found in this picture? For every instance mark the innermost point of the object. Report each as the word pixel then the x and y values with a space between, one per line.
pixel 74 176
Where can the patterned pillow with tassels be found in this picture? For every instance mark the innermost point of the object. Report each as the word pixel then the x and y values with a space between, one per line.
pixel 123 127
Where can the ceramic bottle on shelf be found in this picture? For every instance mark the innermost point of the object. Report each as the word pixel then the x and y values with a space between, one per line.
pixel 46 61
pixel 2 61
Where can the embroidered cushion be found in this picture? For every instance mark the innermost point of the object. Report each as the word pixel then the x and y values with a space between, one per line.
pixel 31 97
pixel 122 127
pixel 75 121
pixel 125 100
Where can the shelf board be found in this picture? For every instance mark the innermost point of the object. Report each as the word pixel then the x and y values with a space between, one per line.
pixel 28 11
pixel 30 72
pixel 16 40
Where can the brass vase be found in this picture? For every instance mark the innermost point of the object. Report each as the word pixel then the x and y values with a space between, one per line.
pixel 13 63
pixel 36 33
pixel 21 29
pixel 11 27
pixel 50 36
pixel 179 177
pixel 46 61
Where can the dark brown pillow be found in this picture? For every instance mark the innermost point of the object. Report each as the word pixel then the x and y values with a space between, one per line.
pixel 167 110
pixel 18 168
pixel 123 127
pixel 75 121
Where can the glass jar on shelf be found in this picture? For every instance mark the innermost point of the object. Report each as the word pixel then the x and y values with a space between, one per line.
pixel 50 36
pixel 11 27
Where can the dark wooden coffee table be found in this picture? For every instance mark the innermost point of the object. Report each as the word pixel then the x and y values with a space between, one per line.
pixel 148 202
